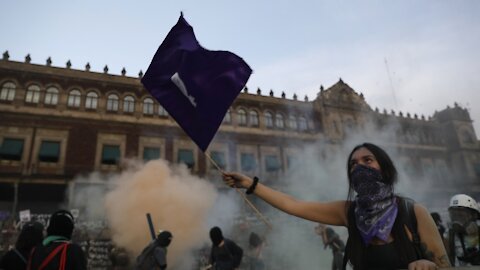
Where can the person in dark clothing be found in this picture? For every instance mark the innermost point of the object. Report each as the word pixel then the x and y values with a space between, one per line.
pixel 255 249
pixel 56 251
pixel 17 258
pixel 154 256
pixel 331 239
pixel 377 219
pixel 438 221
pixel 225 254
pixel 119 258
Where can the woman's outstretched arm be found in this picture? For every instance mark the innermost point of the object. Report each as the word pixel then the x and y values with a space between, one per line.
pixel 332 213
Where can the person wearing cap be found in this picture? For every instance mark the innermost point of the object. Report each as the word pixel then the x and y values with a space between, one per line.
pixel 17 258
pixel 463 233
pixel 57 252
pixel 225 254
pixel 154 256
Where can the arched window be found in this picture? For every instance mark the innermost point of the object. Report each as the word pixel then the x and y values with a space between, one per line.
pixel 292 122
pixel 33 94
pixel 302 123
pixel 74 98
pixel 253 115
pixel 162 111
pixel 227 119
pixel 92 100
pixel 279 123
pixel 242 117
pixel 8 91
pixel 148 106
pixel 466 137
pixel 112 103
pixel 51 96
pixel 129 104
pixel 268 120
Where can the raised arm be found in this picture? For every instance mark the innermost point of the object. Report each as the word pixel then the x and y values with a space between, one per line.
pixel 332 213
pixel 431 242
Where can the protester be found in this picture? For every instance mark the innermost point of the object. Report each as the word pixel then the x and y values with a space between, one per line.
pixel 119 258
pixel 331 239
pixel 225 254
pixel 57 252
pixel 17 258
pixel 463 235
pixel 441 229
pixel 378 220
pixel 154 255
pixel 256 245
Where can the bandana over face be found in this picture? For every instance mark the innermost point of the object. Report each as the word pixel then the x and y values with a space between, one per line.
pixel 375 205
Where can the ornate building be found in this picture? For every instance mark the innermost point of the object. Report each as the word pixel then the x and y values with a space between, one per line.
pixel 60 123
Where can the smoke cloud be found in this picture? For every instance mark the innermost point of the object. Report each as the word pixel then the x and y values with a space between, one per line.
pixel 177 201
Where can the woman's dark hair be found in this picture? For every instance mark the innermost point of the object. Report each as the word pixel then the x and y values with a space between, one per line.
pixel 30 236
pixel 388 170
pixel 355 249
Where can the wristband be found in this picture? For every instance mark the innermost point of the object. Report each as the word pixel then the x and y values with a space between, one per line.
pixel 253 186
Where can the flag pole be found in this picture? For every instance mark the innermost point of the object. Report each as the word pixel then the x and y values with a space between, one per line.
pixel 241 193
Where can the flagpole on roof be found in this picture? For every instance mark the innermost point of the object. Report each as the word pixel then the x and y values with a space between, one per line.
pixel 262 217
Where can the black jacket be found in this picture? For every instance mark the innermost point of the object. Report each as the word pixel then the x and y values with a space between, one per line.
pixel 75 260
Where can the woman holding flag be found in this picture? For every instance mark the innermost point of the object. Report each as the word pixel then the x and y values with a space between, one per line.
pixel 379 222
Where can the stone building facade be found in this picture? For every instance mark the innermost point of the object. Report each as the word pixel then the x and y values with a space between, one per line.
pixel 60 123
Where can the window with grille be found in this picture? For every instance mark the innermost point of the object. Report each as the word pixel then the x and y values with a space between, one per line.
pixel 112 103
pixel 253 118
pixel 279 123
pixel 129 104
pixel 51 96
pixel 148 106
pixel 33 94
pixel 242 117
pixel 268 120
pixel 91 101
pixel 74 99
pixel 8 91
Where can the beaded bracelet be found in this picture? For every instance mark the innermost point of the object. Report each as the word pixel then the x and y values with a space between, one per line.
pixel 253 186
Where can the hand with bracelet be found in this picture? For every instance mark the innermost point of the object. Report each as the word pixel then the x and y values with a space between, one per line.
pixel 237 180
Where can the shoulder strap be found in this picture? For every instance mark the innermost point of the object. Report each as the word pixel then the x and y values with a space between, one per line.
pixel 20 255
pixel 29 265
pixel 411 223
pixel 62 247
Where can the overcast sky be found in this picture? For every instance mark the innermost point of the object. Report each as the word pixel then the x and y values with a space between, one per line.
pixel 414 56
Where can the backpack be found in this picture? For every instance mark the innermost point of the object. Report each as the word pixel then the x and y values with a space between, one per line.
pixel 411 223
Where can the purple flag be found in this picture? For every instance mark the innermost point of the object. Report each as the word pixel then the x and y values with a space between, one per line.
pixel 196 86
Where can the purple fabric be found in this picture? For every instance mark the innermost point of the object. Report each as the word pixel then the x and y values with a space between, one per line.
pixel 375 206
pixel 196 86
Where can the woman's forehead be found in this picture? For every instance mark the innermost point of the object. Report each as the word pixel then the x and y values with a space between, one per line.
pixel 361 152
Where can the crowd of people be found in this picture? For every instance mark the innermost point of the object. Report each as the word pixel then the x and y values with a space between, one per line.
pixel 385 230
